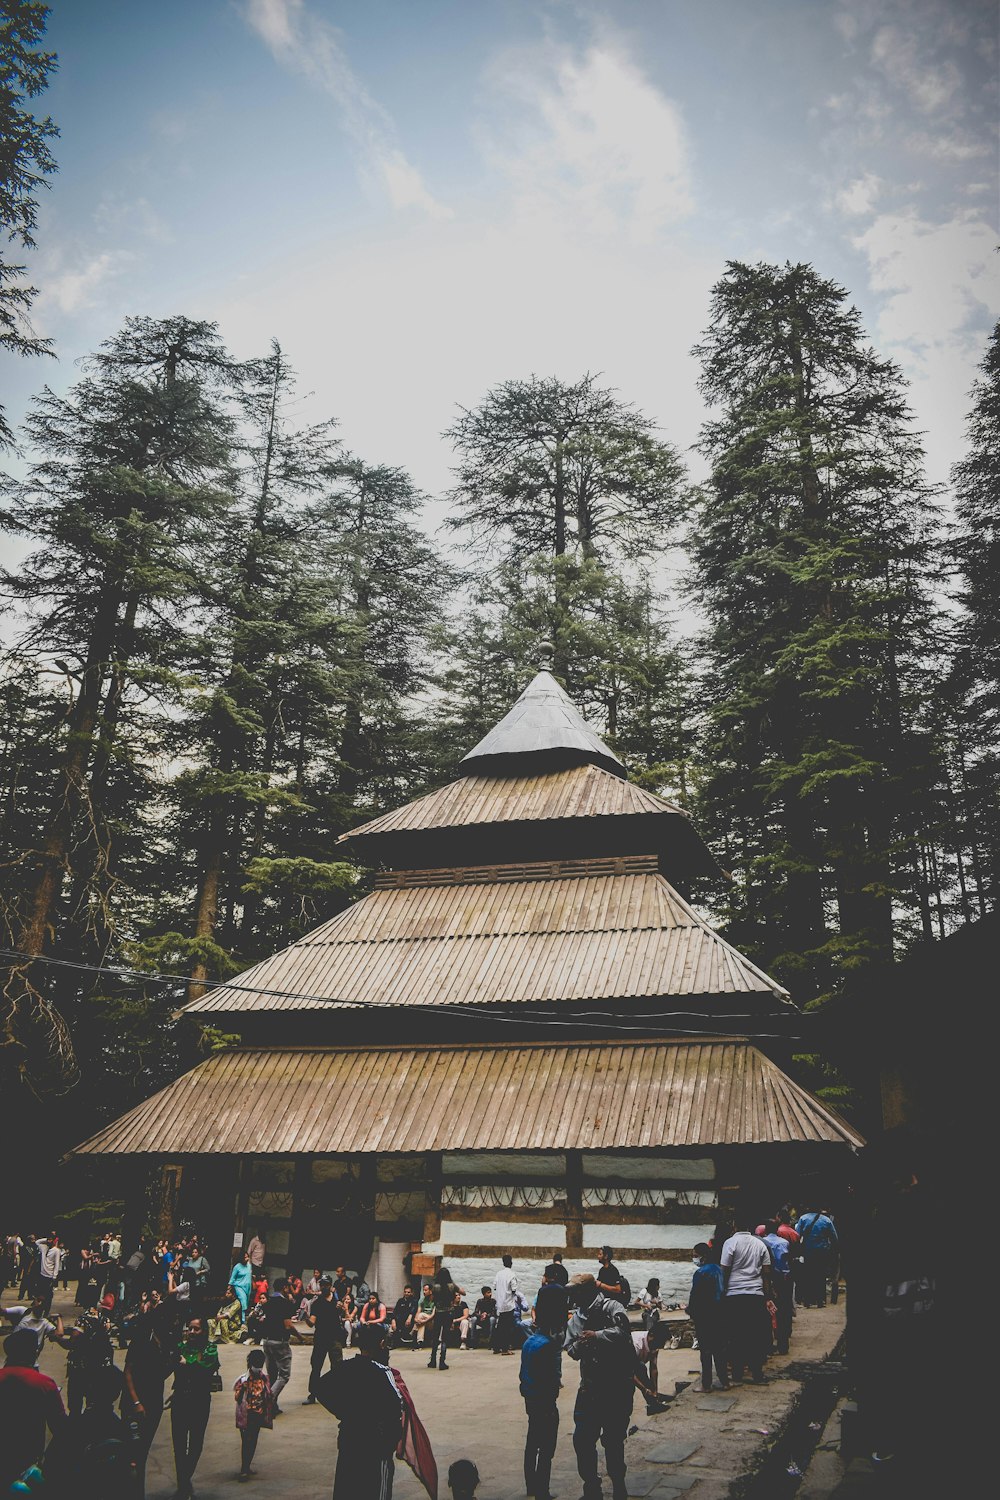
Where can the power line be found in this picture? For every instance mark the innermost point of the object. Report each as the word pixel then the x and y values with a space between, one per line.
pixel 590 1019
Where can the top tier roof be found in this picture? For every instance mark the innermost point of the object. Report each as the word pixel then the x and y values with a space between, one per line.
pixel 543 731
pixel 540 785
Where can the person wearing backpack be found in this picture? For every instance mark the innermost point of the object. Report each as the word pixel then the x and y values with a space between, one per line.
pixel 818 1249
pixel 254 1409
pixel 610 1281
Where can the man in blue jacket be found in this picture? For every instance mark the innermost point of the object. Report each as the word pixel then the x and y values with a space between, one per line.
pixel 540 1389
pixel 819 1249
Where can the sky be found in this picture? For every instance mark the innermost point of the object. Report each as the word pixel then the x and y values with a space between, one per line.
pixel 422 198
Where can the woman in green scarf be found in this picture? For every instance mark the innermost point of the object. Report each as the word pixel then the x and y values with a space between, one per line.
pixel 196 1364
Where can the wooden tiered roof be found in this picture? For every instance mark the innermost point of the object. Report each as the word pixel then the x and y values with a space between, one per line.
pixel 586 791
pixel 514 1097
pixel 579 931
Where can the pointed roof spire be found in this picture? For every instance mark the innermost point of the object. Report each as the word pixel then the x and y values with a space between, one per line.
pixel 544 731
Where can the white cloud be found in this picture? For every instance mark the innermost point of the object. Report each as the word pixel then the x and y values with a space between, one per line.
pixel 72 290
pixel 595 140
pixel 931 86
pixel 952 145
pixel 861 195
pixel 307 43
pixel 940 284
pixel 118 215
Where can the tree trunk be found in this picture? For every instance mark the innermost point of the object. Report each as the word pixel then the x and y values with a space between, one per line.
pixel 37 920
pixel 98 877
pixel 559 498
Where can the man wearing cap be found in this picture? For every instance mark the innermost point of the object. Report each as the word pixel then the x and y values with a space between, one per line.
pixel 600 1339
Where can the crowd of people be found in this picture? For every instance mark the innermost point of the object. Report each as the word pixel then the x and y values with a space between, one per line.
pixel 158 1305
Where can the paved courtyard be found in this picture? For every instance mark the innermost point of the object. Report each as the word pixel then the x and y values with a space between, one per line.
pixel 473 1410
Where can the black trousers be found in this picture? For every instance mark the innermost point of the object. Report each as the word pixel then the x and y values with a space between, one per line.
pixel 748 1333
pixel 361 1474
pixel 146 1426
pixel 816 1266
pixel 188 1421
pixel 442 1328
pixel 540 1445
pixel 712 1348
pixel 321 1351
pixel 248 1441
pixel 503 1332
pixel 595 1417
pixel 783 1295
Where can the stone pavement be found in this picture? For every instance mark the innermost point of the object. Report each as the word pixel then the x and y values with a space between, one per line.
pixel 473 1410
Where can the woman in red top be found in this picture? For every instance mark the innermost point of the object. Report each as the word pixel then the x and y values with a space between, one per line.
pixel 373 1310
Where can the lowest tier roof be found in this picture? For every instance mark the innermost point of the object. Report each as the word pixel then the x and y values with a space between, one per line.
pixel 501 942
pixel 515 1097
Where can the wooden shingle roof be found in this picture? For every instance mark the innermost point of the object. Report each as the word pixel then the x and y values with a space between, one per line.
pixel 515 1097
pixel 501 941
pixel 576 792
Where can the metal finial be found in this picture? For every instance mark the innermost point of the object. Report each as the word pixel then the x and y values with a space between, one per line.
pixel 546 651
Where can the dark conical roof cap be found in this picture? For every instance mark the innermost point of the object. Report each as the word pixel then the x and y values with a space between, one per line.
pixel 544 730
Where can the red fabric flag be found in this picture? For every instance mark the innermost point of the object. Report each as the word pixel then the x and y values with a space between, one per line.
pixel 414 1447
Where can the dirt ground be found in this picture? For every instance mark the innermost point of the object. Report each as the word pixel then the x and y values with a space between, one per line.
pixel 474 1410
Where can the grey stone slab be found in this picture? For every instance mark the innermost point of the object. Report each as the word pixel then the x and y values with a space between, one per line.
pixel 672 1453
pixel 716 1403
pixel 643 1481
pixel 676 1484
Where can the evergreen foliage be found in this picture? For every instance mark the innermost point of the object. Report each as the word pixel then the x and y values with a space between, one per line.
pixel 970 699
pixel 231 641
pixel 814 561
pixel 546 467
pixel 25 163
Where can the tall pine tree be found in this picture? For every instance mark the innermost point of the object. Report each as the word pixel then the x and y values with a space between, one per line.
pixel 130 474
pixel 812 559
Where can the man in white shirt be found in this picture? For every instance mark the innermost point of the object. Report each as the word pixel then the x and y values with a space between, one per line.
pixel 504 1287
pixel 746 1266
pixel 34 1318
pixel 49 1265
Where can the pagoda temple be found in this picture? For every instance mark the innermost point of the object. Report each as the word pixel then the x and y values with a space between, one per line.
pixel 525 1022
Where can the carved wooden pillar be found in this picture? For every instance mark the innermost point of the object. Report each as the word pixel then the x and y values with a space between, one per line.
pixel 432 1205
pixel 167 1199
pixel 135 1217
pixel 574 1203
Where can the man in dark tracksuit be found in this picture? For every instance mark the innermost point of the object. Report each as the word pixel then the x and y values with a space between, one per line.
pixel 363 1395
pixel 540 1389
pixel 600 1338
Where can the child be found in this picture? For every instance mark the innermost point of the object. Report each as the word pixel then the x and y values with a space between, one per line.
pixel 649 1301
pixel 254 1407
pixel 463 1479
pixel 705 1308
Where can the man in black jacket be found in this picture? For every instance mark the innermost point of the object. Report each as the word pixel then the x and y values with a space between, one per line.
pixel 327 1324
pixel 362 1394
pixel 403 1315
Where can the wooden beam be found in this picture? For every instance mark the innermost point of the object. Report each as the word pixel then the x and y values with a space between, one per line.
pixel 541 1253
pixel 563 1212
